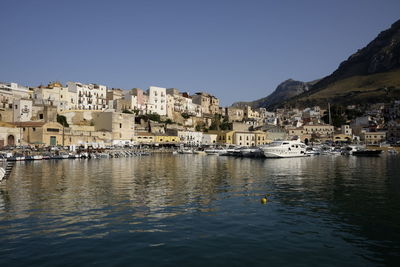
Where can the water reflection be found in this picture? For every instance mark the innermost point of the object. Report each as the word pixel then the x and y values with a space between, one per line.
pixel 329 204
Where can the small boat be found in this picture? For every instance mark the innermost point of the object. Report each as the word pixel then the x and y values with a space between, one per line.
pixel 185 151
pixel 367 152
pixel 215 151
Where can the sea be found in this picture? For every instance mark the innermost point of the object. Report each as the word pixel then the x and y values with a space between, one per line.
pixel 199 210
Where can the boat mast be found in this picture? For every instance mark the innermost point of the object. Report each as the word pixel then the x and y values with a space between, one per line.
pixel 330 117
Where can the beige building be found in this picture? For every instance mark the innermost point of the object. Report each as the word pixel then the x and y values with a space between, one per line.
pixel 249 113
pixel 374 138
pixel 145 138
pixel 224 137
pixel 86 136
pixel 234 114
pixel 10 135
pixel 261 138
pixel 41 133
pixel 244 139
pixel 54 94
pixel 121 125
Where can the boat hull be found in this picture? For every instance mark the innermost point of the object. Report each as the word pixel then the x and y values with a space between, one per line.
pixel 284 155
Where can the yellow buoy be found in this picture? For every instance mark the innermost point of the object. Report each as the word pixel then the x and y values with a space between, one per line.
pixel 264 200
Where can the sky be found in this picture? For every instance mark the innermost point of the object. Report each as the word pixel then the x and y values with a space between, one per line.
pixel 237 50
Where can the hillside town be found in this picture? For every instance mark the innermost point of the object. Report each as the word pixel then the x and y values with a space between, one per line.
pixel 91 115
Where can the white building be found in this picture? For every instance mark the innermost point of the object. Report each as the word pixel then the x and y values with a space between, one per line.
pixel 190 137
pixel 88 96
pixel 54 94
pixel 22 110
pixel 157 100
pixel 11 91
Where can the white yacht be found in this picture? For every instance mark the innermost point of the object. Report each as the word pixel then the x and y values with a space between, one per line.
pixel 284 149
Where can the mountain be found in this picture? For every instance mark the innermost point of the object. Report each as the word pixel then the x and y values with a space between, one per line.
pixel 285 91
pixel 370 75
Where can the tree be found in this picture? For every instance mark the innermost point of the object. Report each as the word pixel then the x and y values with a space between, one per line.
pixel 154 117
pixel 61 119
pixel 216 122
pixel 185 116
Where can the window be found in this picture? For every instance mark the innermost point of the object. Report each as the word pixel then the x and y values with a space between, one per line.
pixel 16 106
pixel 120 125
pixel 33 129
pixel 41 116
pixel 53 130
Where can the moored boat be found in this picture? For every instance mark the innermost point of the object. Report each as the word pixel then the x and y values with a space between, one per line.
pixel 367 152
pixel 284 149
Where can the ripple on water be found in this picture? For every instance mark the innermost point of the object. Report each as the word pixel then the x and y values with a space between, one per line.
pixel 198 210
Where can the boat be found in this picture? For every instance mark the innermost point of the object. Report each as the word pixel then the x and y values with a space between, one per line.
pixel 313 151
pixel 185 151
pixel 215 151
pixel 284 149
pixel 367 152
pixel 199 152
pixel 2 173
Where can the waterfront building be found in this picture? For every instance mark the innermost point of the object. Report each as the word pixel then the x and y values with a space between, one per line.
pixel 374 138
pixel 166 139
pixel 121 125
pixel 144 138
pixel 209 139
pixel 261 138
pixel 224 137
pixel 41 133
pixel 191 138
pixel 10 135
pixel 342 138
pixel 324 130
pixel 86 136
pixel 244 138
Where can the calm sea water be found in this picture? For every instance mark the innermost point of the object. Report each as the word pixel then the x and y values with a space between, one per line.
pixel 192 210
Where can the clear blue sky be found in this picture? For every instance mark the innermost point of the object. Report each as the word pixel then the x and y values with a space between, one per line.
pixel 236 50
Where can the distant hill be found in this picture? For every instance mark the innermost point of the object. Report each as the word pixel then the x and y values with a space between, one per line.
pixel 285 91
pixel 370 75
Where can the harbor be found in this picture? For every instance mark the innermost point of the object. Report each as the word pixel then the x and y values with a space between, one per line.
pixel 201 205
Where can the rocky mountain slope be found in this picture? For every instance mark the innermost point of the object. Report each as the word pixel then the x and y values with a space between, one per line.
pixel 370 75
pixel 285 91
